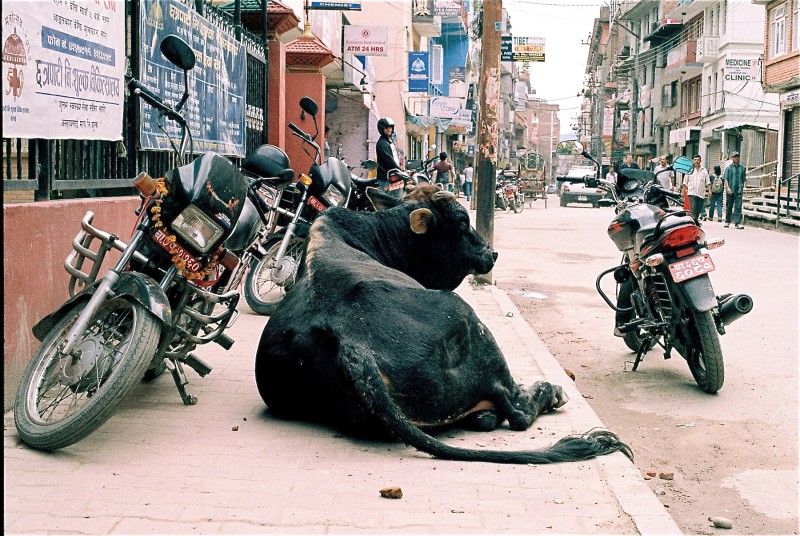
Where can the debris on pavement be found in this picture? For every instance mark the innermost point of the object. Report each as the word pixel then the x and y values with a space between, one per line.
pixel 393 492
pixel 666 476
pixel 721 522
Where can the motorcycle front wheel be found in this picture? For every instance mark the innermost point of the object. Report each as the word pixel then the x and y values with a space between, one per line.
pixel 704 353
pixel 266 283
pixel 63 399
pixel 519 203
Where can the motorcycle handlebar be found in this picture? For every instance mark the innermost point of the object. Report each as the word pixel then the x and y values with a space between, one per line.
pixel 297 130
pixel 154 100
pixel 667 193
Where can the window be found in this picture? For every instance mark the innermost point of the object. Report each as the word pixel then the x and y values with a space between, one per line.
pixel 666 96
pixel 796 26
pixel 777 30
pixel 709 97
pixel 674 94
pixel 436 64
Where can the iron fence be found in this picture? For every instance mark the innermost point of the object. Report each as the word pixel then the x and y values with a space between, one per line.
pixel 96 168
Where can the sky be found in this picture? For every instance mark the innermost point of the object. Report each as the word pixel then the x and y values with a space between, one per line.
pixel 564 24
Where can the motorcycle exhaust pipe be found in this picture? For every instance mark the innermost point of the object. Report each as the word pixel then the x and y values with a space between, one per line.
pixel 733 307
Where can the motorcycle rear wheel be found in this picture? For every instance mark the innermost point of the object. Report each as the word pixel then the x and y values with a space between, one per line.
pixel 704 354
pixel 59 403
pixel 261 291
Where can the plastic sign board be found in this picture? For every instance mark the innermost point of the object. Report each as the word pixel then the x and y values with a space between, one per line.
pixel 447 107
pixel 418 63
pixel 505 48
pixel 527 48
pixel 366 40
pixel 340 6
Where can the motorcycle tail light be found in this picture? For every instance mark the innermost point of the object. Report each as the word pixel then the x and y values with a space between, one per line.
pixel 715 243
pixel 682 236
pixel 305 179
pixel 654 260
pixel 145 184
pixel 197 228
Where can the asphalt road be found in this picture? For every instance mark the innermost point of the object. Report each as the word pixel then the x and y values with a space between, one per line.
pixel 733 454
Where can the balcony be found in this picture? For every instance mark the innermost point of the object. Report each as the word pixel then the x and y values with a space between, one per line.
pixel 424 19
pixel 707 48
pixel 684 58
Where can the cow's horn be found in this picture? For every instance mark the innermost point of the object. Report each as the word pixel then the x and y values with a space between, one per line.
pixel 420 219
pixel 443 195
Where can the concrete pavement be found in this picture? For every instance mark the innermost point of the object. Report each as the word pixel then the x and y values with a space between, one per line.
pixel 226 466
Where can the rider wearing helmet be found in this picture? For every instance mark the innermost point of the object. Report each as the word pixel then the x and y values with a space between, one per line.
pixel 388 158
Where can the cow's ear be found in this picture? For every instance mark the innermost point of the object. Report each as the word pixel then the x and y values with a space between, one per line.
pixel 420 219
pixel 380 200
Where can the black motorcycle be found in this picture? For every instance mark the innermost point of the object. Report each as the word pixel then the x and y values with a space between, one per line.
pixel 327 185
pixel 167 293
pixel 665 295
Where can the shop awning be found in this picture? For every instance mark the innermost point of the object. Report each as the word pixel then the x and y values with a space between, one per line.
pixel 440 123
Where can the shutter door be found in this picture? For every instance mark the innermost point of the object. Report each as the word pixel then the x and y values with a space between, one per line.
pixel 793 149
pixel 712 154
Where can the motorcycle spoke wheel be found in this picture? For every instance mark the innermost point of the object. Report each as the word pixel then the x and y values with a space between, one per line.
pixel 63 399
pixel 262 291
pixel 703 352
pixel 520 204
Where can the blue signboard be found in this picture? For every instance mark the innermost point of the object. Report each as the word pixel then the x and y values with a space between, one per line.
pixel 217 84
pixel 506 50
pixel 418 63
pixel 343 6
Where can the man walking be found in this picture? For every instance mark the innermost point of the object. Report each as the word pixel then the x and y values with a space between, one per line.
pixel 696 185
pixel 444 172
pixel 468 181
pixel 734 178
pixel 666 178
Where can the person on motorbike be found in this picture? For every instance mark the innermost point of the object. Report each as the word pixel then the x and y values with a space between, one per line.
pixel 388 158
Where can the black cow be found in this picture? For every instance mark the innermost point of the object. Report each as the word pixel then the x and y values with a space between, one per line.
pixel 373 340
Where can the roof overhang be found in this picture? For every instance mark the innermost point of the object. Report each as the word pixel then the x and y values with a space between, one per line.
pixel 667 28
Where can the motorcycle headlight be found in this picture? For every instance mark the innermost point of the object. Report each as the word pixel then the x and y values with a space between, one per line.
pixel 333 197
pixel 197 228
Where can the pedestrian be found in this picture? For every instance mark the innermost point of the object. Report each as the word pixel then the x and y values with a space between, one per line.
pixel 696 185
pixel 387 156
pixel 444 172
pixel 734 178
pixel 629 163
pixel 666 178
pixel 460 183
pixel 468 181
pixel 717 188
pixel 611 176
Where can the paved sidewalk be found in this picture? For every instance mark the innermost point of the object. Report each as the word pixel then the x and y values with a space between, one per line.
pixel 225 466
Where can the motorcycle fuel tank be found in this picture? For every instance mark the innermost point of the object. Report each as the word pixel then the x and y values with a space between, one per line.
pixel 624 227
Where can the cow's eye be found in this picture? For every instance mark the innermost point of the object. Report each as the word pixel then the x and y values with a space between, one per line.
pixel 463 227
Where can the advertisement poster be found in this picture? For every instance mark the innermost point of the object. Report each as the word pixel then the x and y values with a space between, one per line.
pixel 527 48
pixel 418 71
pixel 217 84
pixel 64 68
pixel 366 40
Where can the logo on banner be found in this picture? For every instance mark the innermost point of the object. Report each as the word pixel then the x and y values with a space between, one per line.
pixel 418 63
pixel 16 55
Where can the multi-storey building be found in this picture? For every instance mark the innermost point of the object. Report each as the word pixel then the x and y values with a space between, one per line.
pixel 781 72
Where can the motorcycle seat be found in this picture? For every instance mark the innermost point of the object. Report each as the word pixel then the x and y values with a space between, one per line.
pixel 280 181
pixel 645 234
pixel 364 183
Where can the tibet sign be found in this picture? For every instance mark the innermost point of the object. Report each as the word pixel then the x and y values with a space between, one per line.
pixel 366 40
pixel 742 69
pixel 527 48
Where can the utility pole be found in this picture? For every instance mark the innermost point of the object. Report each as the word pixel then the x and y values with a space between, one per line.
pixel 486 151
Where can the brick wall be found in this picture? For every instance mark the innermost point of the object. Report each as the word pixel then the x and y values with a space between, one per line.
pixel 780 70
pixel 18 196
pixel 349 128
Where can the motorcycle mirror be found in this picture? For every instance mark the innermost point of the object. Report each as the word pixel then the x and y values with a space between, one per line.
pixel 178 52
pixel 683 165
pixel 369 164
pixel 309 106
pixel 570 147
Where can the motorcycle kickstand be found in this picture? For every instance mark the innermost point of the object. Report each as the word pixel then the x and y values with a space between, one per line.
pixel 643 348
pixel 180 381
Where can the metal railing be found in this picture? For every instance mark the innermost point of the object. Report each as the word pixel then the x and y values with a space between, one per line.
pixel 788 182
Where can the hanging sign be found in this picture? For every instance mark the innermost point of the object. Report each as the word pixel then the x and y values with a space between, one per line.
pixel 339 6
pixel 418 63
pixel 63 69
pixel 527 48
pixel 366 40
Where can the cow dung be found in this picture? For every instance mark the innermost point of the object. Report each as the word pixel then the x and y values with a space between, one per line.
pixel 393 492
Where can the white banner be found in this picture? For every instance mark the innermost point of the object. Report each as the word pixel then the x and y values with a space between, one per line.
pixel 445 107
pixel 64 68
pixel 366 40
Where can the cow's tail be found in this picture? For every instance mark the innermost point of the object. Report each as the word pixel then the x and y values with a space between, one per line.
pixel 367 380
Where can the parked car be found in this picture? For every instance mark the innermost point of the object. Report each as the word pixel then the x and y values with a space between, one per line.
pixel 587 191
pixel 576 174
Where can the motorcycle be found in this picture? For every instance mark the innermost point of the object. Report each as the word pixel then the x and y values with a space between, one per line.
pixel 422 170
pixel 327 185
pixel 358 193
pixel 500 198
pixel 515 198
pixel 665 295
pixel 168 292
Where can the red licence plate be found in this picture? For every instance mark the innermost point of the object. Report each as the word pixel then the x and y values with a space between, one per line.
pixel 396 185
pixel 314 202
pixel 692 267
pixel 176 249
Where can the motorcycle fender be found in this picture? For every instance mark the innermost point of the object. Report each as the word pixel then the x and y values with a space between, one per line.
pixel 699 293
pixel 142 288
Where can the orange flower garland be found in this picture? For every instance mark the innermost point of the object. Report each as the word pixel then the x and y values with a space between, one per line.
pixel 155 215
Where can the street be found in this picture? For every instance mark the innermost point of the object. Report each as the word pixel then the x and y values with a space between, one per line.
pixel 733 454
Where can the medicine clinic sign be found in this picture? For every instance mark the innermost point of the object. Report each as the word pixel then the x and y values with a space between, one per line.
pixel 742 69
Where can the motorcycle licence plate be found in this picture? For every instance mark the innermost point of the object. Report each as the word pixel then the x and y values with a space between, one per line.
pixel 176 249
pixel 314 202
pixel 396 185
pixel 692 267
pixel 510 194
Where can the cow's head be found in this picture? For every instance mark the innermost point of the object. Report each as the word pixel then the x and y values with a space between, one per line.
pixel 445 248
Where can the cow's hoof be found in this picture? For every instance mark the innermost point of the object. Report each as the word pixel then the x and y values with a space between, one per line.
pixel 559 397
pixel 482 421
